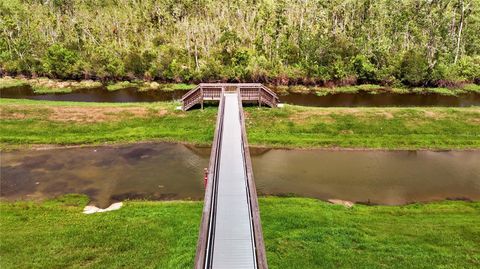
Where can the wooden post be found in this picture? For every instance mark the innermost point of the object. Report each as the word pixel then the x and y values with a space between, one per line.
pixel 259 98
pixel 201 98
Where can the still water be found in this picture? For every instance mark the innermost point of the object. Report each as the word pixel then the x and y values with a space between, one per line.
pixel 363 99
pixel 164 171
pixel 101 94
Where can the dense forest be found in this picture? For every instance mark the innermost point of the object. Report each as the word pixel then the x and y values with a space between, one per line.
pixel 330 42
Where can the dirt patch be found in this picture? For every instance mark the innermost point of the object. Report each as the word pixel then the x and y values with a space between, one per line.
pixel 304 116
pixel 431 114
pixel 341 202
pixel 80 114
pixel 325 115
pixel 388 115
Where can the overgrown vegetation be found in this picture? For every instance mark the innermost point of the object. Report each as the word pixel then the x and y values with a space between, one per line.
pixel 282 42
pixel 298 232
pixel 24 122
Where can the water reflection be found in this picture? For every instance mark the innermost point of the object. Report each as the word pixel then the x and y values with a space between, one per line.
pixel 361 99
pixel 99 94
pixel 164 171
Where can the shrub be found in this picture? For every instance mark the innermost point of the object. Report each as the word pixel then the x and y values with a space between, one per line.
pixel 364 69
pixel 134 64
pixel 468 68
pixel 60 61
pixel 413 68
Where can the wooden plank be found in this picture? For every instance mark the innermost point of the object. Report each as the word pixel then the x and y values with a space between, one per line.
pixel 209 190
pixel 257 225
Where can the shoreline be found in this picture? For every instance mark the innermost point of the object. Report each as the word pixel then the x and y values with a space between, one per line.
pixel 41 147
pixel 329 201
pixel 43 85
pixel 50 124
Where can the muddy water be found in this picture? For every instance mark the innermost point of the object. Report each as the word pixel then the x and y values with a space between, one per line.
pixel 101 94
pixel 173 171
pixel 363 99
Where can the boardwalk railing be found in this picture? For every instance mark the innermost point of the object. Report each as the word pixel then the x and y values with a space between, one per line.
pixel 204 246
pixel 252 92
pixel 252 196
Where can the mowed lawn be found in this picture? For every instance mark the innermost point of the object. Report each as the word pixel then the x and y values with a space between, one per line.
pixel 25 123
pixel 299 233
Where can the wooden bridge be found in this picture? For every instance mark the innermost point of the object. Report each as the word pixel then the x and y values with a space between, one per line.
pixel 249 92
pixel 230 232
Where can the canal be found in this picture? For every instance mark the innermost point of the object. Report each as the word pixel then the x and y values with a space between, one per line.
pixel 360 99
pixel 164 171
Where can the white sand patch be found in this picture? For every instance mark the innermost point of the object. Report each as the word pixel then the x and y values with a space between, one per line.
pixel 90 209
pixel 341 202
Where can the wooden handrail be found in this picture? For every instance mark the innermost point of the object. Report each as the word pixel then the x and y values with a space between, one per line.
pixel 270 92
pixel 261 257
pixel 206 226
pixel 190 92
pixel 206 91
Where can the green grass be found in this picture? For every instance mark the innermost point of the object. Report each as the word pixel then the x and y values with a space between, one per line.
pixel 306 233
pixel 472 88
pixel 55 234
pixel 439 91
pixel 320 91
pixel 298 232
pixel 386 128
pixel 11 83
pixel 375 89
pixel 160 122
pixel 40 89
pixel 178 86
pixel 121 85
pixel 25 122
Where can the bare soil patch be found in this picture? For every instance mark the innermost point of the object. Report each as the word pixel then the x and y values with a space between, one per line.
pixel 78 114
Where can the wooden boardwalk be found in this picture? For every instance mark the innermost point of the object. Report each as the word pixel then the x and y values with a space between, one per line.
pixel 230 231
pixel 249 92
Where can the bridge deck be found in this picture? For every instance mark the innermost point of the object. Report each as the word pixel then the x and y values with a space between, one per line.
pixel 230 232
pixel 233 243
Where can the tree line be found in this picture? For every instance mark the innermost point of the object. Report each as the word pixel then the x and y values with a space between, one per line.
pixel 329 42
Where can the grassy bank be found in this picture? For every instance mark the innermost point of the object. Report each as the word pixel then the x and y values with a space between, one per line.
pixel 299 233
pixel 376 89
pixel 45 85
pixel 25 122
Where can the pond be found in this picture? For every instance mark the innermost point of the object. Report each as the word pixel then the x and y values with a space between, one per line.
pixel 364 99
pixel 164 171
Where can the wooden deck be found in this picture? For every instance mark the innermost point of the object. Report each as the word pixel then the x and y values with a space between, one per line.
pixel 230 232
pixel 249 92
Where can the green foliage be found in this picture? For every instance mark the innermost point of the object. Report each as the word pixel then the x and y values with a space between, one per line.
pixel 468 68
pixel 60 62
pixel 364 69
pixel 413 68
pixel 106 65
pixel 284 42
